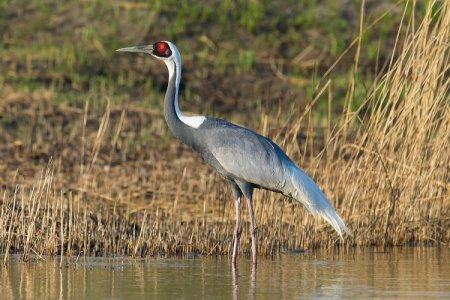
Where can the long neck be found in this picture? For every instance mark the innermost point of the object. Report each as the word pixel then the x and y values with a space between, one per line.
pixel 174 118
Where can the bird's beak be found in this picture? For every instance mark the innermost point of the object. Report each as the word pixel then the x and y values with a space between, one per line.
pixel 137 49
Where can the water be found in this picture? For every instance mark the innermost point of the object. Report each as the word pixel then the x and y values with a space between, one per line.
pixel 397 273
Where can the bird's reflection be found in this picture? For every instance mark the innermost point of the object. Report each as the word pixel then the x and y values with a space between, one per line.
pixel 235 282
pixel 251 291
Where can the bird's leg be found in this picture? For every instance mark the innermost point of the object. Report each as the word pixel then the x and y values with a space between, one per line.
pixel 237 231
pixel 253 229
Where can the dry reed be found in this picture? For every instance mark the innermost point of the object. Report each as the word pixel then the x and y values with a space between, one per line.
pixel 385 166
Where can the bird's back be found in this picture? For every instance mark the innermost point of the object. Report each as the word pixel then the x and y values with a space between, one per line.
pixel 241 154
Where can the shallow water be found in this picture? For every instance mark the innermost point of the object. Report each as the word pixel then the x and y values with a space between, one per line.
pixel 396 273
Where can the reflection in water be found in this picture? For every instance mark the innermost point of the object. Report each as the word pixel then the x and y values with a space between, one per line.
pixel 253 282
pixel 397 273
pixel 235 282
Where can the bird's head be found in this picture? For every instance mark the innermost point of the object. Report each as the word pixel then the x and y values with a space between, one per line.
pixel 162 50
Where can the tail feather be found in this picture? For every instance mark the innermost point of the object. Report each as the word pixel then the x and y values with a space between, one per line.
pixel 306 191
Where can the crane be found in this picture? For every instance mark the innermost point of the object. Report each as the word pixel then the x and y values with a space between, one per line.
pixel 246 159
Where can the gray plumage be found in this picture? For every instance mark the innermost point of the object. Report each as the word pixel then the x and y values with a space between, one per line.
pixel 246 159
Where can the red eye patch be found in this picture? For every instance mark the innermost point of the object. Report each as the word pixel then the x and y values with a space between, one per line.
pixel 162 49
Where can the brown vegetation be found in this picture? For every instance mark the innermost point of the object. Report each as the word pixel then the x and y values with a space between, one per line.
pixel 117 184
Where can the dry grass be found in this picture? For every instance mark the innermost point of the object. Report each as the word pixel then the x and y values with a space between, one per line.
pixel 125 189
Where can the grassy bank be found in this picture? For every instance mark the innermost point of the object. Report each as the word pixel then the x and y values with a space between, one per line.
pixel 117 183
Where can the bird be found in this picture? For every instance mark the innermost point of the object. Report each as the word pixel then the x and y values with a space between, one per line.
pixel 244 158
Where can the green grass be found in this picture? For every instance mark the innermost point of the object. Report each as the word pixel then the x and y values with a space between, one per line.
pixel 227 46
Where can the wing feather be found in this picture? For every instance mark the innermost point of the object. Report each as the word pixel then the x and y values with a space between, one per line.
pixel 248 156
pixel 245 155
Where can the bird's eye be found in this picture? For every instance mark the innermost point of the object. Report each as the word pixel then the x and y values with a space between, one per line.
pixel 162 49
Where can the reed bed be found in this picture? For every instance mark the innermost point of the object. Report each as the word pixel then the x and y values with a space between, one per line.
pixel 113 181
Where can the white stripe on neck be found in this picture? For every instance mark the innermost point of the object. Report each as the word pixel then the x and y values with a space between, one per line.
pixel 194 121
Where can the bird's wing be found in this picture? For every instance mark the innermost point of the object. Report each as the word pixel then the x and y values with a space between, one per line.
pixel 253 158
pixel 247 155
